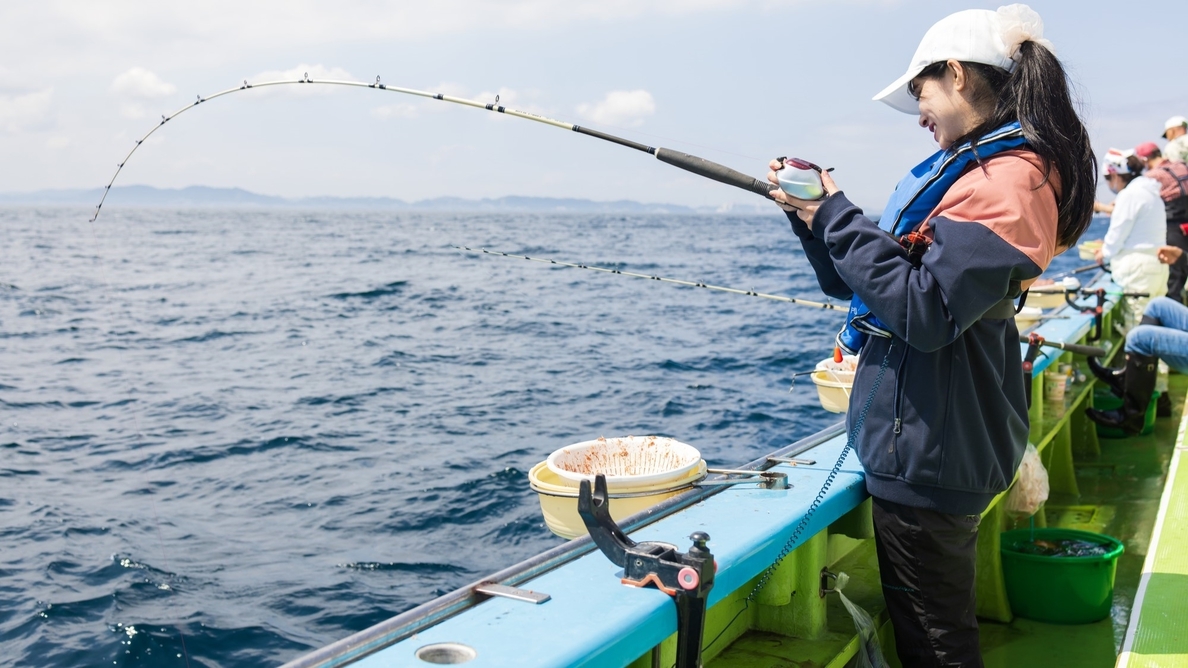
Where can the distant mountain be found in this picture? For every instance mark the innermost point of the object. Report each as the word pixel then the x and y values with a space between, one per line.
pixel 204 196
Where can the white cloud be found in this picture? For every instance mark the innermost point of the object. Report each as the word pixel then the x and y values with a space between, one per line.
pixel 141 84
pixel 282 23
pixel 25 111
pixel 626 108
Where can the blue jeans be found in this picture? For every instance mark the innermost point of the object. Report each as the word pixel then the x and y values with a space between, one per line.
pixel 1167 341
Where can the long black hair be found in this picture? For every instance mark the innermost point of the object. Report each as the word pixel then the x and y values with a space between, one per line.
pixel 1036 94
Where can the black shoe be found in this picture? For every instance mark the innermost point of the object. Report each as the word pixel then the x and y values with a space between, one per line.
pixel 1163 407
pixel 1112 418
pixel 1110 376
pixel 1138 383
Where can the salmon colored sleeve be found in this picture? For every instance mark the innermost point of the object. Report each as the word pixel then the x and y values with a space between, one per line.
pixel 1008 195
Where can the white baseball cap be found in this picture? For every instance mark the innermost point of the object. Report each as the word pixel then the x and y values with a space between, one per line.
pixel 1115 162
pixel 1174 122
pixel 973 35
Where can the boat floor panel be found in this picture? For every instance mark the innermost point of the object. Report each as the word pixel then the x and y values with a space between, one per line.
pixel 1120 493
pixel 1159 630
pixel 757 649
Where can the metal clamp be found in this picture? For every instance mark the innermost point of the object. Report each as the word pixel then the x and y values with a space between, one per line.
pixel 826 577
pixel 1097 310
pixel 792 461
pixel 514 593
pixel 765 479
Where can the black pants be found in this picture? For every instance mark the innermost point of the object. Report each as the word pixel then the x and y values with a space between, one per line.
pixel 1177 273
pixel 926 561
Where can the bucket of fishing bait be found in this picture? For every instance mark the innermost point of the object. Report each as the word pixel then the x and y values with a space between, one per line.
pixel 640 471
pixel 1062 576
pixel 1104 400
pixel 834 380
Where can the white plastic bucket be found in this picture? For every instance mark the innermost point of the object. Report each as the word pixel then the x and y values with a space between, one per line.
pixel 1045 299
pixel 640 471
pixel 634 461
pixel 834 381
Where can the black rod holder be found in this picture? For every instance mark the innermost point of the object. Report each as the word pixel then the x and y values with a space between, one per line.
pixel 685 576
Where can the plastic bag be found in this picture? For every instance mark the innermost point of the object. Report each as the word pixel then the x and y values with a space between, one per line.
pixel 1031 488
pixel 870 652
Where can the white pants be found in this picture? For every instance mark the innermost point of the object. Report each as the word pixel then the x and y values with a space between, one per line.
pixel 1139 271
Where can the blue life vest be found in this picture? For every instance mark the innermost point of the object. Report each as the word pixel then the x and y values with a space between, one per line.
pixel 914 198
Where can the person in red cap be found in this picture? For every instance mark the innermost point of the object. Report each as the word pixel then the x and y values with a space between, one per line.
pixel 1173 188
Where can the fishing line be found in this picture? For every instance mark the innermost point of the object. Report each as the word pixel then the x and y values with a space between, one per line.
pixel 685 161
pixel 675 281
pixel 1078 349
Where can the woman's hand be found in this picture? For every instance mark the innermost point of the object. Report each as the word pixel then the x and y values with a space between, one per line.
pixel 805 209
pixel 1098 207
pixel 1098 256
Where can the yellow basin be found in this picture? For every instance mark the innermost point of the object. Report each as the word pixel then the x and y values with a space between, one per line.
pixel 558 497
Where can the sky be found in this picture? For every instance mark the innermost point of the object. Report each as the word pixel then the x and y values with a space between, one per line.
pixel 735 81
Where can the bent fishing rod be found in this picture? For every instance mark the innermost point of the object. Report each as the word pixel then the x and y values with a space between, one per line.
pixel 685 161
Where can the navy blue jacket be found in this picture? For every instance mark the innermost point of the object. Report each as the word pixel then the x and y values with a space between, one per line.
pixel 948 425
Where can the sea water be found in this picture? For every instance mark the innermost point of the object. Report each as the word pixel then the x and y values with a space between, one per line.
pixel 230 437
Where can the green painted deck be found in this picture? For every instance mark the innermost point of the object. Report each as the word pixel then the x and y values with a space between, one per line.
pixel 1158 632
pixel 1111 486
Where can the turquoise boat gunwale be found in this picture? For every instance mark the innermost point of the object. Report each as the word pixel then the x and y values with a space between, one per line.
pixel 411 622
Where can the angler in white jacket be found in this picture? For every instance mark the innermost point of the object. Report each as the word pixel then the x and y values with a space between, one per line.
pixel 1137 230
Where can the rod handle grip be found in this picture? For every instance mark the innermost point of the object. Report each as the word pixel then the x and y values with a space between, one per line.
pixel 1074 348
pixel 715 171
pixel 1088 351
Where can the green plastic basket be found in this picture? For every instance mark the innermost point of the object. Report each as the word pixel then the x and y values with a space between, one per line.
pixel 1104 400
pixel 1061 590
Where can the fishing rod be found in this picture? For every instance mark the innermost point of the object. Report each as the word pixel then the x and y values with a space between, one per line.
pixel 685 161
pixel 692 284
pixel 1078 270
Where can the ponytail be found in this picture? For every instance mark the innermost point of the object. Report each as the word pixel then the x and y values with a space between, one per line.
pixel 1036 94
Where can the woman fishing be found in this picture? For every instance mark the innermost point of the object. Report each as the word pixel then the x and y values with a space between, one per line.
pixel 965 232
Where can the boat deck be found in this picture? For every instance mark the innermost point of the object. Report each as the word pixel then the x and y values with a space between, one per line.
pixel 1120 497
pixel 1156 635
pixel 1120 494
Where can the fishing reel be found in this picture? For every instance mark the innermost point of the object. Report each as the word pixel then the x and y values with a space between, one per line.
pixel 800 178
